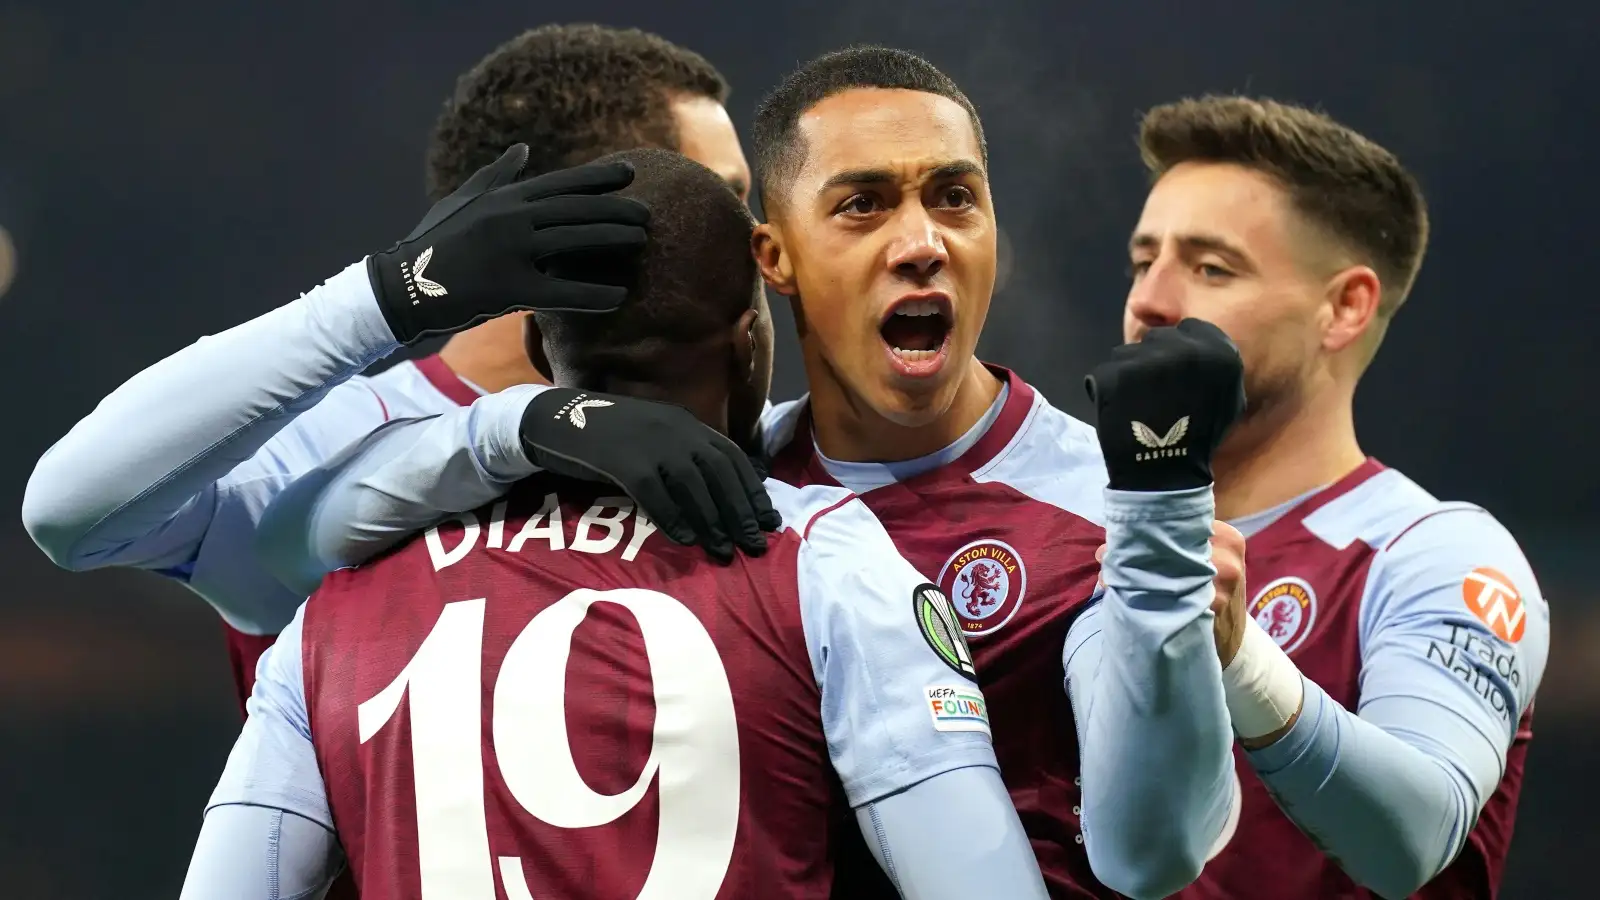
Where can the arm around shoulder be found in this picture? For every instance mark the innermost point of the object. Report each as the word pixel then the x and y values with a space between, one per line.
pixel 128 484
pixel 391 483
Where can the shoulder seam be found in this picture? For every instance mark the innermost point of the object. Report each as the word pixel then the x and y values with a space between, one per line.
pixel 805 533
pixel 1431 514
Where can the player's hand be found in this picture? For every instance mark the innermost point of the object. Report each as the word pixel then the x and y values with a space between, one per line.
pixel 696 485
pixel 488 248
pixel 1164 405
pixel 1227 556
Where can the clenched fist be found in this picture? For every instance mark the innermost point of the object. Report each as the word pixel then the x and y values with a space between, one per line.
pixel 1164 404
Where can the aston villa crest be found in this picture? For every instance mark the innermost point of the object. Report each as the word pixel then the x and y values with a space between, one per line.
pixel 1286 609
pixel 985 581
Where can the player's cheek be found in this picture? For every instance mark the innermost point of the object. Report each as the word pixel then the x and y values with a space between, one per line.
pixel 837 327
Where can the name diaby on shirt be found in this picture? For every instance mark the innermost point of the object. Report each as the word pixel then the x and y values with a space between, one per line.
pixel 600 529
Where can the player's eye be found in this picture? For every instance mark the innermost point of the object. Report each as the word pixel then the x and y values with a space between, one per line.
pixel 1214 272
pixel 860 205
pixel 957 196
pixel 1138 268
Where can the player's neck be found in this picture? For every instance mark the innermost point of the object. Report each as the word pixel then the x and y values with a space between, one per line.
pixel 708 402
pixel 848 430
pixel 492 355
pixel 1274 458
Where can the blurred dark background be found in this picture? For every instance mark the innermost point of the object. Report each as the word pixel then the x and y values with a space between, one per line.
pixel 168 170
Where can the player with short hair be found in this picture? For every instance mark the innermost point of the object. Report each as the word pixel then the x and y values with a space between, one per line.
pixel 544 699
pixel 171 471
pixel 1388 661
pixel 573 93
pixel 881 232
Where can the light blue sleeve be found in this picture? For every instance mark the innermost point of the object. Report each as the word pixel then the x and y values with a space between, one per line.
pixel 1154 735
pixel 244 849
pixel 396 481
pixel 1393 790
pixel 955 836
pixel 168 472
pixel 896 709
pixel 257 853
pixel 273 762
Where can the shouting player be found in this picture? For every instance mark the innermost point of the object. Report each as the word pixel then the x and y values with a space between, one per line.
pixel 881 231
pixel 1394 643
pixel 170 471
pixel 874 174
pixel 657 725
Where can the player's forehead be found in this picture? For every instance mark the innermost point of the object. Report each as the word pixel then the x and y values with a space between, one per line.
pixel 1232 203
pixel 899 131
pixel 707 136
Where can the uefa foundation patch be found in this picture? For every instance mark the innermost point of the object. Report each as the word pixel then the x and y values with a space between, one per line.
pixel 958 708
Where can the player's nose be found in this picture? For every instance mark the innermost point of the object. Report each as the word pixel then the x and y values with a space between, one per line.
pixel 1156 300
pixel 917 249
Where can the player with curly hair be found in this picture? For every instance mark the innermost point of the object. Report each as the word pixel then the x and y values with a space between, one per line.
pixel 171 471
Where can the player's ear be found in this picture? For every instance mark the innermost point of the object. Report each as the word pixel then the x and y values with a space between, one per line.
pixel 776 269
pixel 533 343
pixel 1352 299
pixel 742 347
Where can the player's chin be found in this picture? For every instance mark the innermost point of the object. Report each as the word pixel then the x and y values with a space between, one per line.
pixel 914 400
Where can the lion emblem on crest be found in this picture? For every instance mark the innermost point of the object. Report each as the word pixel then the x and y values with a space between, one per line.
pixel 1280 620
pixel 983 585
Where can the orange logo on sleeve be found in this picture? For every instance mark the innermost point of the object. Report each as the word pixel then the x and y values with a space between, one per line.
pixel 1494 600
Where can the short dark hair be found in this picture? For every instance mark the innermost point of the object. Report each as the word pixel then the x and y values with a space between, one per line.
pixel 697 276
pixel 572 93
pixel 1357 192
pixel 780 149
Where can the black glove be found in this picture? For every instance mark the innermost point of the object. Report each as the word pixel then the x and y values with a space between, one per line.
pixel 696 485
pixel 485 250
pixel 1165 404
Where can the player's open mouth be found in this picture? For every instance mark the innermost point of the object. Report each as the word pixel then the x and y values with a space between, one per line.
pixel 916 332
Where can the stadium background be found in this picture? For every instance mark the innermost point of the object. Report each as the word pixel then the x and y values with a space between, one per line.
pixel 170 170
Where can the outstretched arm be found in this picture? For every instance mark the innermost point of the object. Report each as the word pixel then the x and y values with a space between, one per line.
pixel 153 477
pixel 691 481
pixel 392 483
pixel 169 471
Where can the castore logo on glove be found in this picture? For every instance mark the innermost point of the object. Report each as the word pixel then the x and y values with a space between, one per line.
pixel 1161 445
pixel 414 280
pixel 574 409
